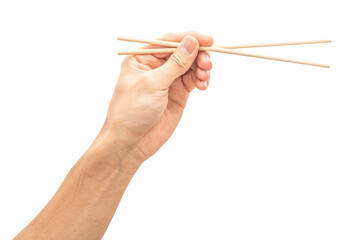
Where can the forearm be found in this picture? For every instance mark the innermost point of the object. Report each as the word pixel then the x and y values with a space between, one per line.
pixel 85 203
pixel 147 104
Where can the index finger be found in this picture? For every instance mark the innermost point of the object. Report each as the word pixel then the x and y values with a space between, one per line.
pixel 203 40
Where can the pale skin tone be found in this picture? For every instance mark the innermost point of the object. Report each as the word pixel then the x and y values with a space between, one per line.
pixel 147 104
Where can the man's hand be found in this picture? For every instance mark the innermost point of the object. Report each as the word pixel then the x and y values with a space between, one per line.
pixel 152 92
pixel 146 107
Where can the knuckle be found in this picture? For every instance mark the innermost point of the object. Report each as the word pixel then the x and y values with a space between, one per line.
pixel 178 61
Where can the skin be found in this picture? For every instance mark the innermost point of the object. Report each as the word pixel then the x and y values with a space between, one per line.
pixel 147 104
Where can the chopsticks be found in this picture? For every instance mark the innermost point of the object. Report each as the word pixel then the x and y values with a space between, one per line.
pixel 222 49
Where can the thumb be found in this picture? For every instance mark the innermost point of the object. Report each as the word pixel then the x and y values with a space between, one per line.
pixel 179 62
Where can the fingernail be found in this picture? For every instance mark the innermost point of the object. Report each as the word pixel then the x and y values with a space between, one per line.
pixel 188 45
pixel 206 84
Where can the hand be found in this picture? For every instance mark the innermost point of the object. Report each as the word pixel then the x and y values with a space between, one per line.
pixel 152 92
pixel 147 104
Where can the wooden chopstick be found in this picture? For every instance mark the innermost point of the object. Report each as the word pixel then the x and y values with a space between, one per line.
pixel 202 48
pixel 221 50
pixel 215 49
pixel 274 44
pixel 147 51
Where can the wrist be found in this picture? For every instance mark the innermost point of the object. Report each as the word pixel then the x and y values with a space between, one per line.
pixel 118 151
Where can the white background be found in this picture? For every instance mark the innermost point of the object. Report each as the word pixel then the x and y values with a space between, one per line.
pixel 270 151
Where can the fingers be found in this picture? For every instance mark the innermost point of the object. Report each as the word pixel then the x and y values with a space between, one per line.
pixel 202 78
pixel 204 61
pixel 203 40
pixel 197 77
pixel 202 75
pixel 202 71
pixel 178 63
